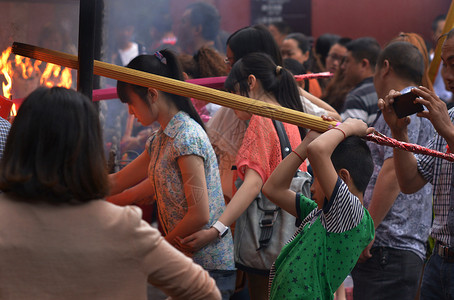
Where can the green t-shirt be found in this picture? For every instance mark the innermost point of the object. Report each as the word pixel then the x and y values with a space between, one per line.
pixel 325 248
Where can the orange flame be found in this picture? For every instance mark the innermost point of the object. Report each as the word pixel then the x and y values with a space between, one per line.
pixel 53 77
pixel 13 112
pixel 24 68
pixel 5 68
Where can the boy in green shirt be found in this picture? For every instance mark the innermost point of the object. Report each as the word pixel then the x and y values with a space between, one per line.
pixel 336 227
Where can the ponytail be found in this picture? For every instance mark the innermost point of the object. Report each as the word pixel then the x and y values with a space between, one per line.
pixel 274 79
pixel 288 90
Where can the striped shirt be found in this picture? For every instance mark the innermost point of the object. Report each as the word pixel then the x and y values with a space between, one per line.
pixel 439 172
pixel 4 130
pixel 324 249
pixel 361 102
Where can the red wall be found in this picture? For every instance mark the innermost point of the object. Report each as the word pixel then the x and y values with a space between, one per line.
pixel 380 19
pixel 353 18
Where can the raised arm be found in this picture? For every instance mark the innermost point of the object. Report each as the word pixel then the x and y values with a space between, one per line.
pixel 277 187
pixel 319 152
pixel 406 168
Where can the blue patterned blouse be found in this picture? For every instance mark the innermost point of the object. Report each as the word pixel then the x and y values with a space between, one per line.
pixel 184 136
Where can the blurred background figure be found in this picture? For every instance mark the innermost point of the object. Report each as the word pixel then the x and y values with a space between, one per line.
pixel 207 62
pixel 56 38
pixel 125 47
pixel 200 27
pixel 337 88
pixel 417 41
pixel 359 69
pixel 336 54
pixel 297 46
pixel 279 30
pixel 439 85
pixel 161 35
pixel 322 47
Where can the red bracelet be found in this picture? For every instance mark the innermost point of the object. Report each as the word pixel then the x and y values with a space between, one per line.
pixel 345 136
pixel 297 155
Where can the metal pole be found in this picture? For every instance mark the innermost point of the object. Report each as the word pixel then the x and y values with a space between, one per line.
pixel 87 22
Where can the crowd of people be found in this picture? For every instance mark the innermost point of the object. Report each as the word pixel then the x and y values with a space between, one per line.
pixel 235 218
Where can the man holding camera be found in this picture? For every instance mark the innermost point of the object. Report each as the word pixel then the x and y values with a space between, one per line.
pixel 413 172
pixel 402 222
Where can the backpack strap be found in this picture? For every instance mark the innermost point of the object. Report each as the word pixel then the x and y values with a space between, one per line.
pixel 286 148
pixel 270 215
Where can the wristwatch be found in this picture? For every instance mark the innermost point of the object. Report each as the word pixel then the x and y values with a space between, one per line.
pixel 221 228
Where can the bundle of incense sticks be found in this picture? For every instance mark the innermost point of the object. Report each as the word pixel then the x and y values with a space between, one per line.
pixel 210 95
pixel 211 82
pixel 182 88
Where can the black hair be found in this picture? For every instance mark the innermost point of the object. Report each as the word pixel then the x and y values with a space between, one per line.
pixel 302 40
pixel 354 155
pixel 256 38
pixel 54 151
pixel 207 16
pixel 275 80
pixel 343 41
pixel 324 43
pixel 405 59
pixel 365 48
pixel 437 19
pixel 294 66
pixel 282 26
pixel 171 69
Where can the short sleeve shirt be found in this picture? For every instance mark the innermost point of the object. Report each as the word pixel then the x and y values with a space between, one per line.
pixel 439 172
pixel 361 102
pixel 324 249
pixel 183 136
pixel 4 130
pixel 261 150
pixel 407 224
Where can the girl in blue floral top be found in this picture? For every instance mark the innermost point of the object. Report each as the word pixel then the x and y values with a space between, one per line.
pixel 178 169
